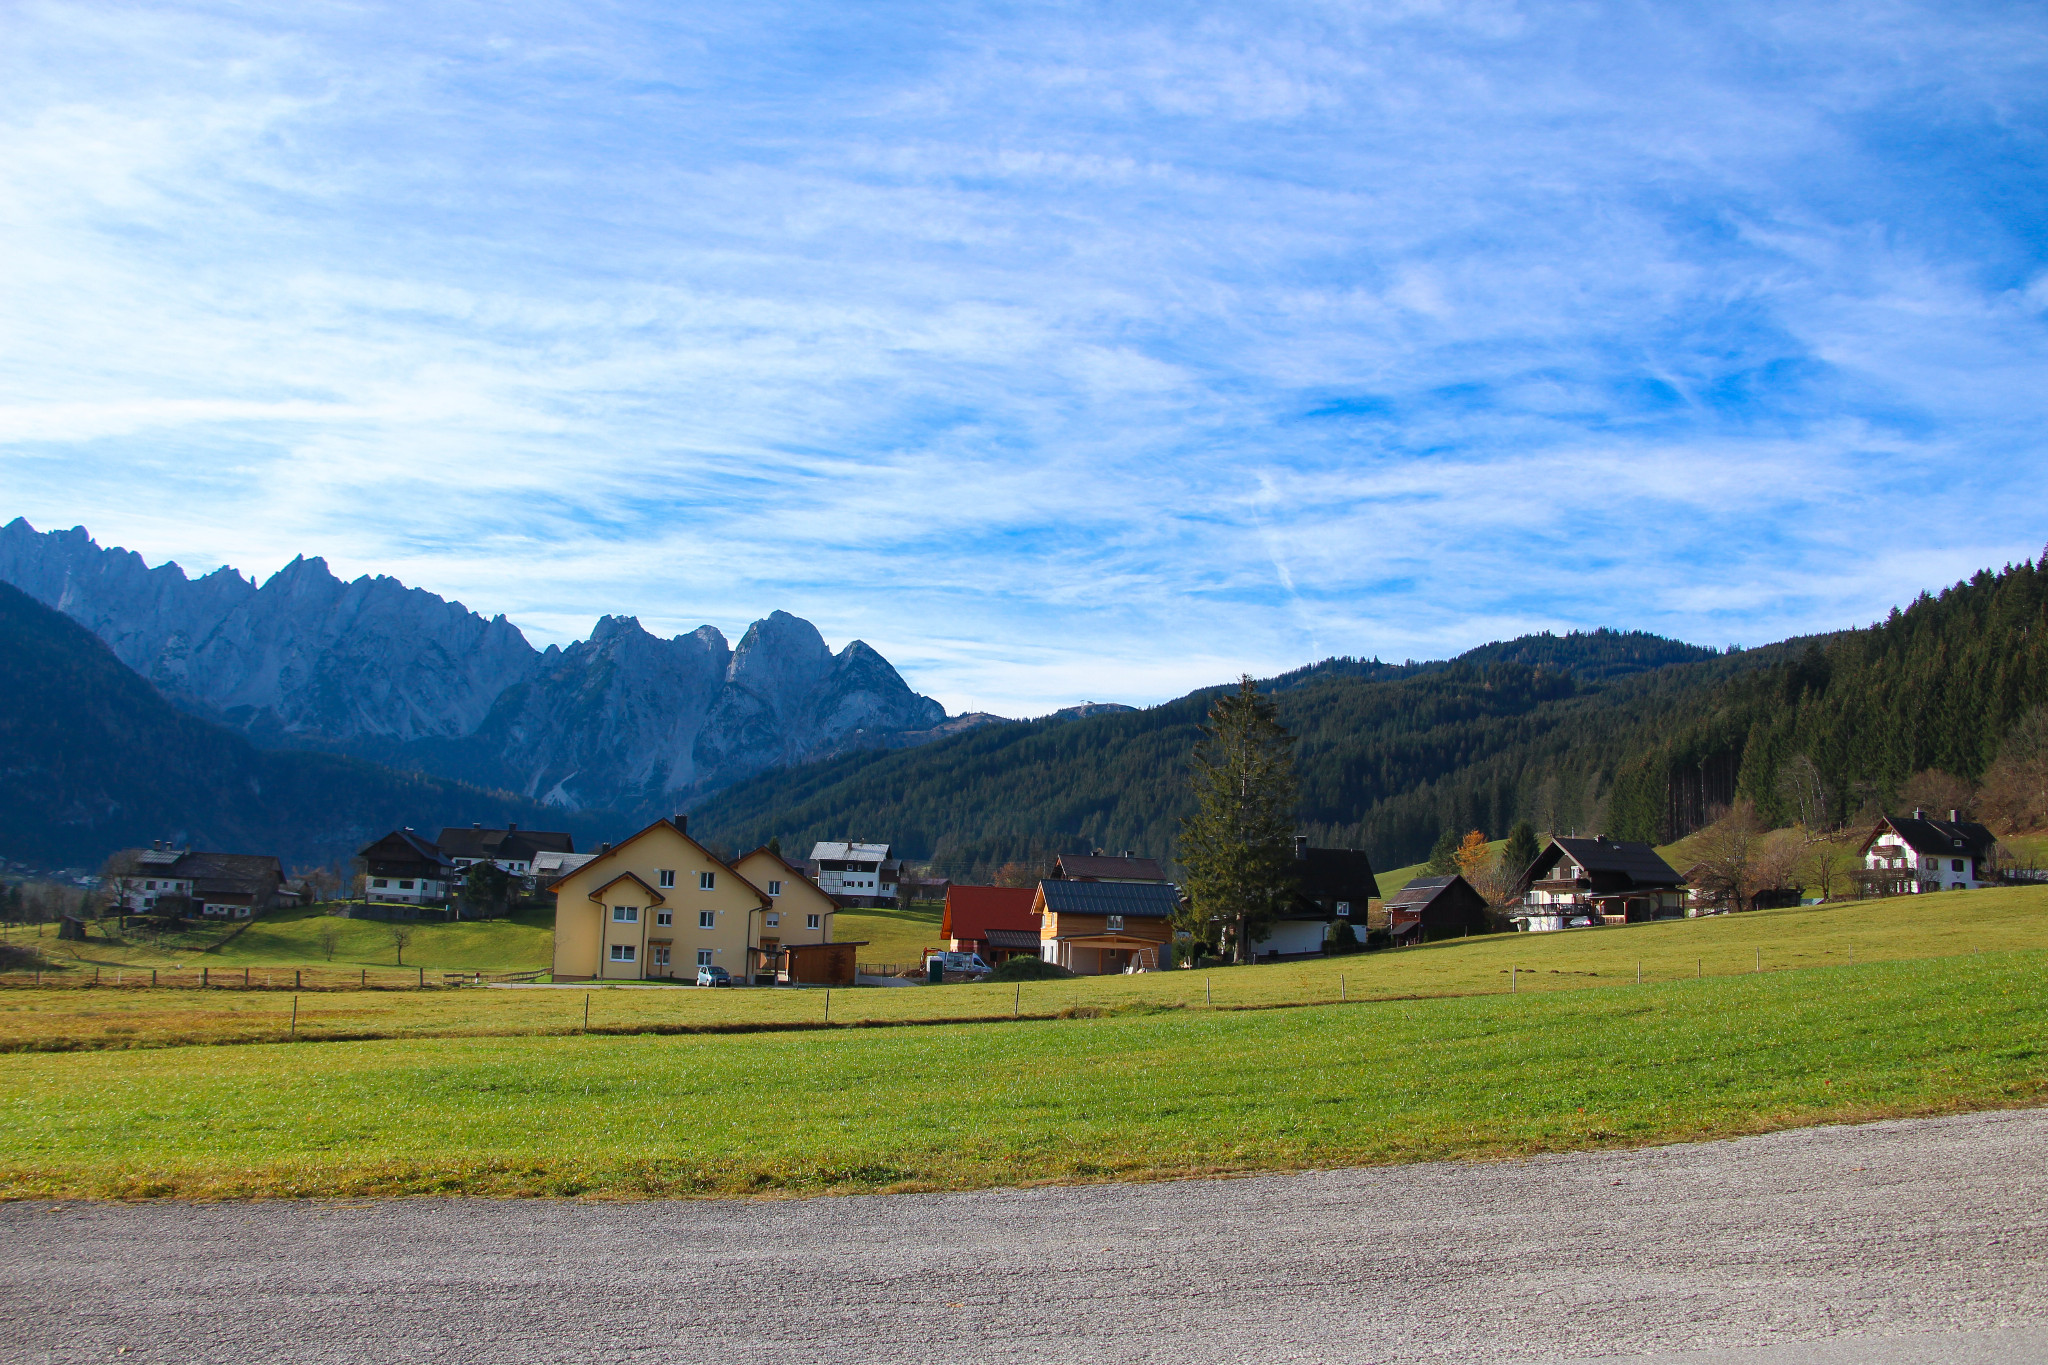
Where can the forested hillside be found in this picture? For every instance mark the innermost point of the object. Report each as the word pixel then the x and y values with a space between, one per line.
pixel 1390 754
pixel 1842 726
pixel 92 759
pixel 1636 736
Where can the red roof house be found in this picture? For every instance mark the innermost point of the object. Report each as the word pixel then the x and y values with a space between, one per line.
pixel 995 921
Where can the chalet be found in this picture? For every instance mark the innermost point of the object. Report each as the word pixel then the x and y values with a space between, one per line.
pixel 1906 855
pixel 997 922
pixel 1578 882
pixel 795 928
pixel 1097 928
pixel 221 885
pixel 512 848
pixel 856 874
pixel 1435 907
pixel 1098 867
pixel 402 866
pixel 657 907
pixel 1333 884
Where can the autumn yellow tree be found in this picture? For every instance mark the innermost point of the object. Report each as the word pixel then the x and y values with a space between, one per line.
pixel 1474 857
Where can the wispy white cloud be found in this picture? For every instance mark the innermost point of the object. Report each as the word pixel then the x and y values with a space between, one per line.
pixel 1072 352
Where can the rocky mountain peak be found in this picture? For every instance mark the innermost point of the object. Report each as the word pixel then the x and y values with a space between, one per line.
pixel 622 720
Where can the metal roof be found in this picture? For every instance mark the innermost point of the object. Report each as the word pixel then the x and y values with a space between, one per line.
pixel 1421 891
pixel 1937 836
pixel 844 852
pixel 1156 900
pixel 1101 867
pixel 1638 864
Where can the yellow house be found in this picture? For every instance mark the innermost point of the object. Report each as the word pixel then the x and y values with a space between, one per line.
pixel 657 906
pixel 798 915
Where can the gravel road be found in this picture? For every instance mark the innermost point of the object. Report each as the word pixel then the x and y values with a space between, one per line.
pixel 1918 1241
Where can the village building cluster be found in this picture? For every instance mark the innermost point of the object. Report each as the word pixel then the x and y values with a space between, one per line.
pixel 660 905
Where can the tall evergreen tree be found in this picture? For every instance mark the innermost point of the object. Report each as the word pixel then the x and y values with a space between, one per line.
pixel 1443 857
pixel 1238 845
pixel 1521 850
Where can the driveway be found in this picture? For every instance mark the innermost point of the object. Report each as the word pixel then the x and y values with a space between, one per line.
pixel 1918 1241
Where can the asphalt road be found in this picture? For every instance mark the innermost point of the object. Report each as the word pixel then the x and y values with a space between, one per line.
pixel 1918 1241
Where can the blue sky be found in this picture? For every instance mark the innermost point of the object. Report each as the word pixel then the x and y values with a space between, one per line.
pixel 1060 352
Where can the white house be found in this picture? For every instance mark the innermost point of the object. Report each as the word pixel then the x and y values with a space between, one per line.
pixel 856 874
pixel 1906 855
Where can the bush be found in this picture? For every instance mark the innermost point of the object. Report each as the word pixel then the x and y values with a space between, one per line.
pixel 1028 969
pixel 1343 938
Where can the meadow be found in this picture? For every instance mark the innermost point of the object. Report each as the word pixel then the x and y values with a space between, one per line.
pixel 1141 1095
pixel 1907 928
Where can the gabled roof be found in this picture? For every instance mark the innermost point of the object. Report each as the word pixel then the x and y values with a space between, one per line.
pixel 654 897
pixel 419 847
pixel 1935 836
pixel 547 864
pixel 1611 864
pixel 1335 873
pixel 222 874
pixel 1420 892
pixel 793 870
pixel 976 911
pixel 1155 900
pixel 847 852
pixel 673 825
pixel 1098 867
pixel 513 844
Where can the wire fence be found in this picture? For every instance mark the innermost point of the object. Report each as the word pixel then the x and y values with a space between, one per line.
pixel 256 978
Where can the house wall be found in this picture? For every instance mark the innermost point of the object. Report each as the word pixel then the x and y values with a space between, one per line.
pixel 798 900
pixel 1928 871
pixel 1292 936
pixel 1086 959
pixel 585 930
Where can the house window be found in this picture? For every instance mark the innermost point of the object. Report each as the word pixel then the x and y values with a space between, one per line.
pixel 664 917
pixel 667 877
pixel 706 880
pixel 661 957
pixel 703 957
pixel 379 882
pixel 1934 864
pixel 707 919
pixel 774 920
pixel 1114 924
pixel 811 921
pixel 1343 907
pixel 623 952
pixel 405 886
pixel 149 886
pixel 775 888
pixel 625 914
pixel 1955 864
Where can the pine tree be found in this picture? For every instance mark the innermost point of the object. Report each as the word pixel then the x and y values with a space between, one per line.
pixel 1238 846
pixel 1521 850
pixel 1443 858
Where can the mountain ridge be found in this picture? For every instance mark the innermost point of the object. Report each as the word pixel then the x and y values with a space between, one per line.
pixel 373 668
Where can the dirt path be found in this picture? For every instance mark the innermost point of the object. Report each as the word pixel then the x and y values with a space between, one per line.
pixel 1904 1242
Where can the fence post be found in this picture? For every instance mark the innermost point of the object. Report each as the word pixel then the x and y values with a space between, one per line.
pixel 423 978
pixel 1759 958
pixel 245 978
pixel 295 1016
pixel 828 1004
pixel 363 978
pixel 1017 1004
pixel 1511 979
pixel 1341 995
pixel 206 976
pixel 297 974
pixel 1639 971
pixel 152 976
pixel 1207 998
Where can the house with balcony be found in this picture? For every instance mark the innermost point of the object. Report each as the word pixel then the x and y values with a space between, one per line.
pixel 1100 928
pixel 1577 883
pixel 856 873
pixel 513 849
pixel 407 868
pixel 1908 855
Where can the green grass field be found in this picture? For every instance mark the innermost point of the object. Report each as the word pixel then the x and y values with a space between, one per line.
pixel 1905 928
pixel 1170 1093
pixel 899 936
pixel 291 938
pixel 1892 1007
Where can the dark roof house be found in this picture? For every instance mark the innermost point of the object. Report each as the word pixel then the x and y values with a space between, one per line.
pixel 1600 878
pixel 1099 867
pixel 1436 907
pixel 511 848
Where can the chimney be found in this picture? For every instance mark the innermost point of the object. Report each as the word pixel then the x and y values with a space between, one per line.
pixel 1919 814
pixel 681 822
pixel 511 826
pixel 1301 845
pixel 1097 853
pixel 604 848
pixel 476 824
pixel 1955 817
